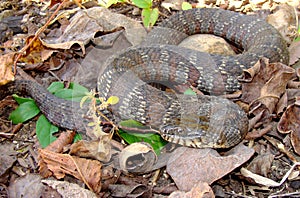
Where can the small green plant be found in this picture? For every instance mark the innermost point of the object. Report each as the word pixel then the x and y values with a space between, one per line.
pixel 186 6
pixel 132 131
pixel 28 109
pixel 149 14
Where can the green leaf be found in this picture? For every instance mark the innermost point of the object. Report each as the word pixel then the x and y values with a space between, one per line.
pixel 21 100
pixel 55 86
pixel 155 140
pixel 189 91
pixel 186 6
pixel 77 137
pixel 24 112
pixel 69 94
pixel 143 3
pixel 113 100
pixel 150 16
pixel 78 88
pixel 45 131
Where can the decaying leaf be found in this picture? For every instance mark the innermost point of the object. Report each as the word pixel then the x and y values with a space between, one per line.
pixel 29 185
pixel 294 50
pixel 201 190
pixel 261 164
pixel 208 165
pixel 67 189
pixel 99 150
pixel 88 171
pixel 6 74
pixel 267 83
pixel 290 123
pixel 86 23
pixel 137 158
pixel 266 181
pixel 137 190
pixel 284 20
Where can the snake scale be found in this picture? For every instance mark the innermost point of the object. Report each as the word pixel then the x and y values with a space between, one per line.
pixel 191 120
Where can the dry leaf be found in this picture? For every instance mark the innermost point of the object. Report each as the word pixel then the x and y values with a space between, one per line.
pixel 208 165
pixel 266 83
pixel 200 190
pixel 88 171
pixel 284 20
pixel 294 50
pixel 290 122
pixel 27 186
pixel 96 149
pixel 261 164
pixel 67 189
pixel 6 74
pixel 137 158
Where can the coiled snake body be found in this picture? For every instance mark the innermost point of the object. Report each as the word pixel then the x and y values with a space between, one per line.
pixel 191 120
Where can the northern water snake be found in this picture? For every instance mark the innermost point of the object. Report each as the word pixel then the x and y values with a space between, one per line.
pixel 197 121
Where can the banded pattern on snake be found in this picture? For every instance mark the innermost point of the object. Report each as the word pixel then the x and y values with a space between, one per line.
pixel 197 121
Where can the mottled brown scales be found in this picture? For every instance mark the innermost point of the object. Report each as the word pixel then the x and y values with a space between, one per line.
pixel 197 121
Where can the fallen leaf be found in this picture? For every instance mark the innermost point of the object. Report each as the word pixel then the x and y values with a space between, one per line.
pixel 86 23
pixel 138 190
pixel 27 186
pixel 290 123
pixel 137 158
pixel 88 171
pixel 263 84
pixel 6 73
pixel 96 149
pixel 7 159
pixel 294 50
pixel 261 164
pixel 284 19
pixel 66 189
pixel 208 165
pixel 200 190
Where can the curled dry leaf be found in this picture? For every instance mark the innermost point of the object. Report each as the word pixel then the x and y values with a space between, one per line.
pixel 57 146
pixel 88 171
pixel 137 158
pixel 208 165
pixel 284 19
pixel 266 83
pixel 99 150
pixel 86 23
pixel 290 123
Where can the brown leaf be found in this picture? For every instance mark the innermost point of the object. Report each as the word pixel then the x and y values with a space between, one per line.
pixel 96 149
pixel 284 19
pixel 29 185
pixel 6 74
pixel 88 171
pixel 200 190
pixel 137 158
pixel 261 164
pixel 267 82
pixel 294 50
pixel 290 122
pixel 63 140
pixel 208 165
pixel 36 53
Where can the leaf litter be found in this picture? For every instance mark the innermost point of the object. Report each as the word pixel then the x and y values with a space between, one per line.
pixel 266 103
